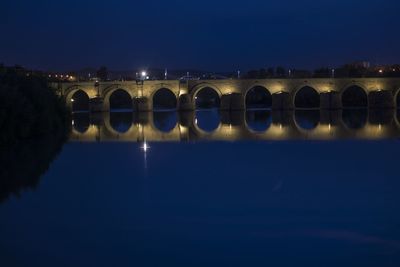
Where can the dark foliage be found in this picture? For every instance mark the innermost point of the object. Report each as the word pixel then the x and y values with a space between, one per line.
pixel 102 73
pixel 33 123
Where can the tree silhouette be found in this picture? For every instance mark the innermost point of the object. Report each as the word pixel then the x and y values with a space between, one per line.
pixel 102 73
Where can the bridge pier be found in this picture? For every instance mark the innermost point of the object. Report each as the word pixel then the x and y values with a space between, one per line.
pixel 185 103
pixel 186 118
pixel 283 117
pixel 381 99
pixel 330 100
pixel 237 101
pixel 282 100
pixel 381 116
pixel 233 101
pixel 330 117
pixel 96 104
pixel 141 118
pixel 233 118
pixel 141 104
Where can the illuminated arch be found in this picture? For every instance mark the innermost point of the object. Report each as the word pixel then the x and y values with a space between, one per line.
pixel 397 98
pixel 69 92
pixel 107 92
pixel 307 97
pixel 201 86
pixel 170 99
pixel 210 89
pixel 258 97
pixel 354 96
pixel 78 100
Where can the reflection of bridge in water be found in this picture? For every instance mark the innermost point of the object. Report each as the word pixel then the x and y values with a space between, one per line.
pixel 233 126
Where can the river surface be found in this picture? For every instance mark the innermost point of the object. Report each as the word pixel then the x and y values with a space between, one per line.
pixel 209 189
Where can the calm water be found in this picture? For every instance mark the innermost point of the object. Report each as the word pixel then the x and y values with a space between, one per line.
pixel 207 189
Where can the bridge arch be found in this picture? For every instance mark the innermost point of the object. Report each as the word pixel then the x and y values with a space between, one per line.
pixel 123 98
pixel 306 97
pixel 397 98
pixel 354 96
pixel 69 92
pixel 78 100
pixel 206 96
pixel 397 118
pixel 164 98
pixel 397 111
pixel 258 97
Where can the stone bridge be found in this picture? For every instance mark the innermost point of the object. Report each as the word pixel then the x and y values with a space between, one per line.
pixel 234 94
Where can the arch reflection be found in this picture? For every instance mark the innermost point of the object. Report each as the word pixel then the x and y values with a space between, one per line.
pixel 354 97
pixel 81 122
pixel 355 118
pixel 230 126
pixel 258 120
pixel 121 122
pixel 307 119
pixel 80 101
pixel 165 121
pixel 207 120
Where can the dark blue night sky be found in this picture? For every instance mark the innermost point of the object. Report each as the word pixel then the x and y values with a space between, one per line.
pixel 208 34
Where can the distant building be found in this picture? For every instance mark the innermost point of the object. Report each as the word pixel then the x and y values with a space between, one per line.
pixel 360 64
